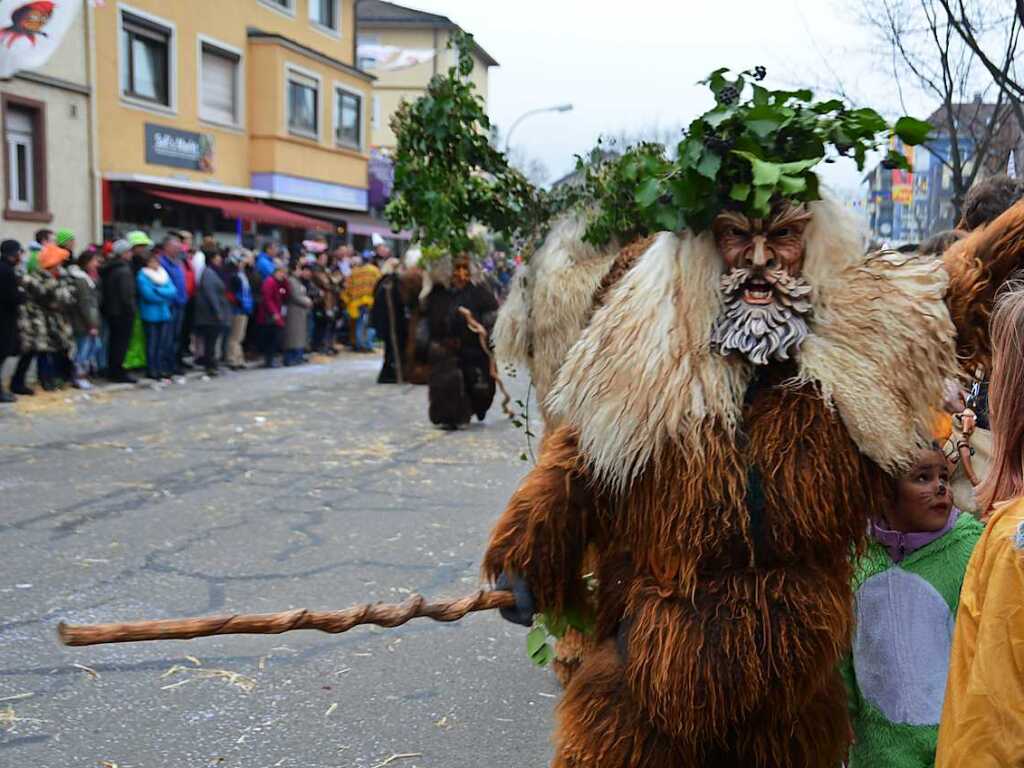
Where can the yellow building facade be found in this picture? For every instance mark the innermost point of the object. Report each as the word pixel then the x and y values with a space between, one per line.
pixel 403 36
pixel 238 108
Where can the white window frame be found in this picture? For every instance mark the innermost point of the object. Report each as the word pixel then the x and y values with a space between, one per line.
pixel 334 32
pixel 13 203
pixel 368 39
pixel 172 60
pixel 362 116
pixel 230 50
pixel 375 115
pixel 289 68
pixel 288 11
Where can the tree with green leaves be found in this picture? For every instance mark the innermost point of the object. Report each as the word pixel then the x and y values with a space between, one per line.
pixel 448 175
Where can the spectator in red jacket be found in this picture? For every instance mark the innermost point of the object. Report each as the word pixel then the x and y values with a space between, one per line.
pixel 270 315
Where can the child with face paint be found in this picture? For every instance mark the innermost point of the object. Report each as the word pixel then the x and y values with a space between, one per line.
pixel 907 587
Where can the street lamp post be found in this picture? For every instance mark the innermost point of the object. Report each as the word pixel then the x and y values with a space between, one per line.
pixel 557 108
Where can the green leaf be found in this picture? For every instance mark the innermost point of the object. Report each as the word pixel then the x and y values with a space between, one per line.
pixel 709 164
pixel 897 161
pixel 764 120
pixel 536 638
pixel 667 219
pixel 780 97
pixel 812 192
pixel 648 193
pixel 912 131
pixel 859 155
pixel 762 196
pixel 630 169
pixel 798 166
pixel 690 151
pixel 544 656
pixel 740 191
pixel 791 186
pixel 867 120
pixel 765 173
pixel 716 80
pixel 824 107
pixel 719 115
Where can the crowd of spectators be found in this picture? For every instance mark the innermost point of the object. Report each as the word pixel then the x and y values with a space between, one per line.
pixel 162 308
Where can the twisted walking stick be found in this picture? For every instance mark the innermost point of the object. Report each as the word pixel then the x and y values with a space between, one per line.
pixel 334 622
pixel 475 326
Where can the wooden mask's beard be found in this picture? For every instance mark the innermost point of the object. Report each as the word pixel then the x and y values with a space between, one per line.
pixel 767 331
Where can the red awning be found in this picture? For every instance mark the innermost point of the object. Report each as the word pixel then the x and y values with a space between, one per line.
pixel 234 208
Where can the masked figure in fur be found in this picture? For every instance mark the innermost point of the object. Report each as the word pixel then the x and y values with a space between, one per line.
pixel 723 428
pixel 460 383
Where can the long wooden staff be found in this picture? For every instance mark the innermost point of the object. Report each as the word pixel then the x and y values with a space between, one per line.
pixel 381 614
pixel 475 326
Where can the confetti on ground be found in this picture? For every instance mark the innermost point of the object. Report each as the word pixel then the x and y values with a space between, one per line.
pixel 88 670
pixel 17 696
pixel 9 719
pixel 396 758
pixel 246 684
pixel 330 709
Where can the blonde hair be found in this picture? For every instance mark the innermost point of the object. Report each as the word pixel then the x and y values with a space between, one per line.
pixel 1006 478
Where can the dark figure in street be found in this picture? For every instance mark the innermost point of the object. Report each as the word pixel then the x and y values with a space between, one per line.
pixel 390 320
pixel 11 296
pixel 460 378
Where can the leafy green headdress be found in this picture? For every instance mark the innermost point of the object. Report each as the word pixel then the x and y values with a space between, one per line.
pixel 754 146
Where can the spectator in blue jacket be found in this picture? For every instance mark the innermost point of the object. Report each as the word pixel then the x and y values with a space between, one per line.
pixel 265 261
pixel 157 295
pixel 172 262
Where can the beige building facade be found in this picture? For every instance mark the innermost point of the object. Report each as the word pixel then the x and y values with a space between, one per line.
pixel 49 179
pixel 390 26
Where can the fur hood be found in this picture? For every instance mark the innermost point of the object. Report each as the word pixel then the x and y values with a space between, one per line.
pixel 642 374
pixel 550 302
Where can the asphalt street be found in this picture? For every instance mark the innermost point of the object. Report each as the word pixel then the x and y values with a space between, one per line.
pixel 261 491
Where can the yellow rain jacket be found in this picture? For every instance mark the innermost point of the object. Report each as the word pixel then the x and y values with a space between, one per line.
pixel 983 716
pixel 359 289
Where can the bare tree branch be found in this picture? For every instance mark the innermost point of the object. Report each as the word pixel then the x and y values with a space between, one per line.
pixel 935 46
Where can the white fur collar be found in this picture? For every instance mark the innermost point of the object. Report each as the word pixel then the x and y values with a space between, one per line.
pixel 642 372
pixel 159 275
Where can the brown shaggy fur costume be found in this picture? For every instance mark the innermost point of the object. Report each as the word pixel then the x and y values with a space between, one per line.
pixel 720 503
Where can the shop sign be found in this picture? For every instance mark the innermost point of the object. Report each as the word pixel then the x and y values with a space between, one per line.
pixel 179 149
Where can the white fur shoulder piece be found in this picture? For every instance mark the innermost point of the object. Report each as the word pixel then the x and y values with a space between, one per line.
pixel 881 349
pixel 642 373
pixel 551 300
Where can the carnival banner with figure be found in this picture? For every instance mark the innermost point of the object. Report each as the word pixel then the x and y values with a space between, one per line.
pixel 31 31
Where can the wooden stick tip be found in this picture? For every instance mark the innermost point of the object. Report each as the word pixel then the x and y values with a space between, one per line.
pixel 64 633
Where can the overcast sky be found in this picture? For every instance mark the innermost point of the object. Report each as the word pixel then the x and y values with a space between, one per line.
pixel 627 65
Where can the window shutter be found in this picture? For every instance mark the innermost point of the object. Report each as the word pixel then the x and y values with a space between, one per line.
pixel 219 87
